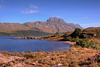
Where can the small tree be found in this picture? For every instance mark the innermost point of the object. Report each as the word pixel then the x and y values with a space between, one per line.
pixel 77 32
pixel 29 51
pixel 57 34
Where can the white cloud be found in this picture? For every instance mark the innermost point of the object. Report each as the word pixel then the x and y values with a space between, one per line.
pixel 33 6
pixel 28 11
pixel 86 25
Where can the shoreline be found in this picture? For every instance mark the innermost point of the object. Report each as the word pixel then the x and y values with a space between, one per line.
pixel 69 42
pixel 42 38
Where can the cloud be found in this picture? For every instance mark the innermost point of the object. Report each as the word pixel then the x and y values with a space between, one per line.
pixel 33 6
pixel 86 25
pixel 28 11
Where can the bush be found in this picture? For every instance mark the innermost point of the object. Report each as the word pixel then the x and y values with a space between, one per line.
pixel 30 56
pixel 57 34
pixel 76 39
pixel 83 43
pixel 69 38
pixel 29 51
pixel 39 50
pixel 92 44
pixel 72 39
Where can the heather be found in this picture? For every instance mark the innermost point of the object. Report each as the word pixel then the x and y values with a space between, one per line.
pixel 75 57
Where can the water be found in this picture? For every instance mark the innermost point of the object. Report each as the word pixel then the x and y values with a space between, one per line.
pixel 19 45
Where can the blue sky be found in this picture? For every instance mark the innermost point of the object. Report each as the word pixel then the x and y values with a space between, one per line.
pixel 83 12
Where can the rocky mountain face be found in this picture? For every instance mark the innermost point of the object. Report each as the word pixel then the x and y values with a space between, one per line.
pixel 52 25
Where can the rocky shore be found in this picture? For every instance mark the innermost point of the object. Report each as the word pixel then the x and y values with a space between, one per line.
pixel 69 42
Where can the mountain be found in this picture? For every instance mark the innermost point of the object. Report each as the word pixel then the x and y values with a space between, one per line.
pixel 52 25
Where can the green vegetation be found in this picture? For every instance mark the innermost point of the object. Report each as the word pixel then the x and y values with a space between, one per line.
pixel 39 50
pixel 76 33
pixel 69 38
pixel 56 34
pixel 85 43
pixel 29 51
pixel 24 33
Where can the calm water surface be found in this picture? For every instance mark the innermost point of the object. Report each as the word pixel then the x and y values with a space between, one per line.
pixel 19 45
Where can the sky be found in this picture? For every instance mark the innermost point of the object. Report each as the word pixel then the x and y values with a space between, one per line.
pixel 83 12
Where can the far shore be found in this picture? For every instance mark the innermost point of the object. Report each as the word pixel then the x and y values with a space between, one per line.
pixel 42 38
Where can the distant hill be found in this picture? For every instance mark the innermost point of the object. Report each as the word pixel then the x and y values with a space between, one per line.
pixel 92 30
pixel 52 25
pixel 25 33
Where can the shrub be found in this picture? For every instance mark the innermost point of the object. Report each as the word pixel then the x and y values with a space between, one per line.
pixel 30 56
pixel 57 34
pixel 72 39
pixel 83 43
pixel 29 51
pixel 92 44
pixel 69 38
pixel 77 39
pixel 39 50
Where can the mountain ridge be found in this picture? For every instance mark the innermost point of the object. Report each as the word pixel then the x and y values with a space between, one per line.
pixel 52 25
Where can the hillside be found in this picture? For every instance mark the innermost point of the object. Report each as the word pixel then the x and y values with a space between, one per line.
pixel 92 30
pixel 25 33
pixel 52 25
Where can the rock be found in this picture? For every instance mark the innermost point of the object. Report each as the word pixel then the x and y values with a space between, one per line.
pixel 11 63
pixel 58 65
pixel 4 59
